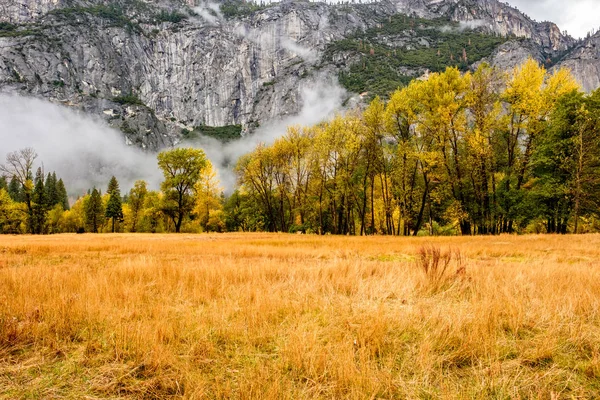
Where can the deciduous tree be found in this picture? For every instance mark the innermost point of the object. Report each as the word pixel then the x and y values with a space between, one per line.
pixel 182 168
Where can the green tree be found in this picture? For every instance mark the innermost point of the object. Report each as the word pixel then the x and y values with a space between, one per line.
pixel 94 211
pixel 3 183
pixel 137 195
pixel 39 204
pixel 182 168
pixel 15 190
pixel 567 164
pixel 586 185
pixel 51 189
pixel 233 209
pixel 114 207
pixel 61 193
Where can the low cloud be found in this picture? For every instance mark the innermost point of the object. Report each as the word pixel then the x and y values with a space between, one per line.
pixel 86 152
pixel 464 25
pixel 321 98
pixel 210 12
pixel 83 150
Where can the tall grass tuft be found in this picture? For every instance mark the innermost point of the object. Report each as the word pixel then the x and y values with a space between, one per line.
pixel 440 268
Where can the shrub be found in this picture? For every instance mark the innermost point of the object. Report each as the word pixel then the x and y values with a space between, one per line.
pixel 129 98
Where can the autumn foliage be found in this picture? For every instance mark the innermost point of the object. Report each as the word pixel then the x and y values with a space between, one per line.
pixel 476 153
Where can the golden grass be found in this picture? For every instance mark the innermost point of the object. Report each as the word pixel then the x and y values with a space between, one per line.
pixel 273 316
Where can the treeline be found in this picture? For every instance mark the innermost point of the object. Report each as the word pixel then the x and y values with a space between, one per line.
pixel 476 153
pixel 29 203
pixel 190 200
pixel 485 152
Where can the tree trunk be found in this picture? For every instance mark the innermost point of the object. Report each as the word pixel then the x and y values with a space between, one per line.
pixel 423 203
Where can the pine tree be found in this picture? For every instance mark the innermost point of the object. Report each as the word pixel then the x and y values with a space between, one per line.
pixel 113 186
pixel 50 186
pixel 15 190
pixel 3 183
pixel 94 211
pixel 61 193
pixel 114 208
pixel 40 204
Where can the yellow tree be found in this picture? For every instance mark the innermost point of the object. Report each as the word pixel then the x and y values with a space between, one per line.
pixel 74 218
pixel 482 137
pixel 294 151
pixel 256 175
pixel 378 158
pixel 444 120
pixel 402 116
pixel 338 171
pixel 19 166
pixel 208 198
pixel 135 203
pixel 12 214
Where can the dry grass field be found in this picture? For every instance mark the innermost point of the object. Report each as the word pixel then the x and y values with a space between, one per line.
pixel 273 316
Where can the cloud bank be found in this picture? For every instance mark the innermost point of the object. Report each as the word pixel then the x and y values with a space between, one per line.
pixel 85 152
pixel 320 99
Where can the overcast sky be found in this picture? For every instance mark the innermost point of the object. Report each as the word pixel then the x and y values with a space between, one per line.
pixel 577 17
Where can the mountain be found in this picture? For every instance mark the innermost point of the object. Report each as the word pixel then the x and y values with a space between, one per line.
pixel 164 71
pixel 584 62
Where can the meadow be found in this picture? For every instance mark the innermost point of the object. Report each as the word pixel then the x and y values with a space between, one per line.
pixel 279 316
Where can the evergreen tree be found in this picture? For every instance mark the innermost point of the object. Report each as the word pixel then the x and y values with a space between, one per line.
pixel 15 190
pixel 114 208
pixel 94 211
pixel 61 193
pixel 3 183
pixel 51 193
pixel 40 204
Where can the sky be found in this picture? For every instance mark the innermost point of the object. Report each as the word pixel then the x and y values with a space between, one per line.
pixel 577 17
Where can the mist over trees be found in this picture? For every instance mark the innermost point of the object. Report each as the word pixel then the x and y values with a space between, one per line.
pixel 483 152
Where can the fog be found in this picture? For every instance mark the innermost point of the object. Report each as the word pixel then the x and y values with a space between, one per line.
pixel 464 25
pixel 86 152
pixel 209 12
pixel 82 149
pixel 321 98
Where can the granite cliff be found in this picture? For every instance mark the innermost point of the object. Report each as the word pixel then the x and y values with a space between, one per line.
pixel 161 70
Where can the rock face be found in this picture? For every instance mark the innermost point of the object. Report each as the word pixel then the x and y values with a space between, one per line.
pixel 20 11
pixel 584 62
pixel 494 15
pixel 152 76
